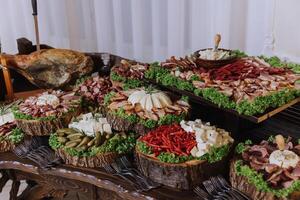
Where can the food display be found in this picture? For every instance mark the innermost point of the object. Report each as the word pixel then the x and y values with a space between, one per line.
pixel 93 91
pixel 268 170
pixel 183 155
pixel 249 85
pixel 128 74
pixel 142 109
pixel 105 117
pixel 10 136
pixel 45 113
pixel 90 142
pixel 51 68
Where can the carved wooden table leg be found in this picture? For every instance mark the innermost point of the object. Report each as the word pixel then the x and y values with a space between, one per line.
pixel 27 190
pixel 94 193
pixel 3 179
pixel 37 192
pixel 13 194
pixel 38 187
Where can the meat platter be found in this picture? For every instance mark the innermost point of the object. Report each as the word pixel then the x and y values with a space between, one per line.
pixel 249 87
pixel 10 136
pixel 93 90
pixel 268 170
pixel 43 114
pixel 128 74
pixel 183 155
pixel 142 109
pixel 256 118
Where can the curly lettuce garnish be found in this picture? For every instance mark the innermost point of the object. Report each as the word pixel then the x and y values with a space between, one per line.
pixel 242 146
pixel 16 136
pixel 215 154
pixel 149 123
pixel 257 179
pixel 128 83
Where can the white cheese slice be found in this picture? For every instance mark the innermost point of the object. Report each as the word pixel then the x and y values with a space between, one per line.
pixel 136 97
pixel 48 99
pixel 143 101
pixel 97 127
pixel 149 104
pixel 194 151
pixel 89 125
pixel 284 159
pixel 107 128
pixel 155 101
pixel 86 117
pixel 9 117
pixel 103 121
pixel 207 136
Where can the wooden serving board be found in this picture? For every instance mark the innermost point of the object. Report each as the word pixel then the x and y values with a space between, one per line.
pixel 91 183
pixel 200 100
pixel 26 94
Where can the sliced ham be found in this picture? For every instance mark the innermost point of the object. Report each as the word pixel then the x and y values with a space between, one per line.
pixel 270 168
pixel 296 172
pixel 287 184
pixel 275 176
pixel 289 175
pixel 262 151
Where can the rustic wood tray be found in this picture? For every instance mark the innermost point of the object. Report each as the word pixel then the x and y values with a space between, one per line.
pixel 200 100
pixel 215 63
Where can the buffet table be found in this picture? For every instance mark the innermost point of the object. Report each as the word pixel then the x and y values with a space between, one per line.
pixel 182 120
pixel 88 183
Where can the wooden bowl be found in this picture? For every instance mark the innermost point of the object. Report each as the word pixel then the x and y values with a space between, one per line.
pixel 45 128
pixel 214 63
pixel 6 145
pixel 98 160
pixel 241 183
pixel 181 176
pixel 120 124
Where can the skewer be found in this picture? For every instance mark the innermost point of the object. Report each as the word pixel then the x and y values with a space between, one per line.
pixel 36 24
pixel 280 142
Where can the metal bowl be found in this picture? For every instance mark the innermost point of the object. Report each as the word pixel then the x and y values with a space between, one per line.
pixel 214 63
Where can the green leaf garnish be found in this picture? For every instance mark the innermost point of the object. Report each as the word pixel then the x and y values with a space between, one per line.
pixel 257 179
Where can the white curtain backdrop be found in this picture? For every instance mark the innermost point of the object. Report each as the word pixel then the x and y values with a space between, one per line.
pixel 145 30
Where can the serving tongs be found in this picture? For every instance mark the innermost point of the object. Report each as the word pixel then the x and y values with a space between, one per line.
pixel 218 188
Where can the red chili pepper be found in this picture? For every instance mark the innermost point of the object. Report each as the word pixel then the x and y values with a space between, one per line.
pixel 170 138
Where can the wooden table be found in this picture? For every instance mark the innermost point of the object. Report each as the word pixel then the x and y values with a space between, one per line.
pixel 86 183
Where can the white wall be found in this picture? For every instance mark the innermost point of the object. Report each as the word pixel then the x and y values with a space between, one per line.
pixel 150 30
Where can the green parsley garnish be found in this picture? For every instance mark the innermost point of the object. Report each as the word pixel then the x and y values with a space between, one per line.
pixel 257 179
